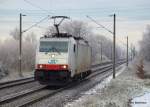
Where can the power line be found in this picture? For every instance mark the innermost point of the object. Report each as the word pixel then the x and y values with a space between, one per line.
pixel 41 27
pixel 81 12
pixel 99 24
pixel 91 9
pixel 37 23
pixel 119 41
pixel 82 9
pixel 34 5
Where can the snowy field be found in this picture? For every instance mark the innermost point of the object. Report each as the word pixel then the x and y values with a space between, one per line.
pixel 127 90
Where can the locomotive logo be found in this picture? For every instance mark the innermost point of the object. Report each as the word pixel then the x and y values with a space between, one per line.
pixel 52 61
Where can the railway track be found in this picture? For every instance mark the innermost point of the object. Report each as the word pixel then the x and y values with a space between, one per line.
pixel 31 79
pixel 16 82
pixel 28 97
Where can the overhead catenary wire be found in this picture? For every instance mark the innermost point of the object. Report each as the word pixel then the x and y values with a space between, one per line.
pixel 99 24
pixel 34 5
pixel 83 11
pixel 104 28
pixel 41 27
pixel 36 23
pixel 89 9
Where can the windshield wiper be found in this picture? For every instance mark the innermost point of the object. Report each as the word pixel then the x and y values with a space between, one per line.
pixel 53 48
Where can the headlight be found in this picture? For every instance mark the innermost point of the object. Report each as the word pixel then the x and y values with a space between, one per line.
pixel 64 66
pixel 53 56
pixel 41 66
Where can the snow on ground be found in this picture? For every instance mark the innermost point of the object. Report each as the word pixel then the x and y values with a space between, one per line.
pixel 15 75
pixel 119 92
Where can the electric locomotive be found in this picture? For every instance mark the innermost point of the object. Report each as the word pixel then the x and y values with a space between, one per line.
pixel 62 58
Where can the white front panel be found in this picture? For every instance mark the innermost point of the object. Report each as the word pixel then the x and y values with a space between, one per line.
pixel 52 58
pixel 52 51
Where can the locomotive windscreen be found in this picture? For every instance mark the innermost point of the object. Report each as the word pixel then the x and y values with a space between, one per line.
pixel 53 46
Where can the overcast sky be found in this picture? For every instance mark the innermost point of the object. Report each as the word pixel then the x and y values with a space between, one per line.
pixel 132 15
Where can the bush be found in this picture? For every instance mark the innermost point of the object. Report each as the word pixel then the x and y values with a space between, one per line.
pixel 140 71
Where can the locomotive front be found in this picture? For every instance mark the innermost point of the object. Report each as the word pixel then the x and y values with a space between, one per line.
pixel 52 61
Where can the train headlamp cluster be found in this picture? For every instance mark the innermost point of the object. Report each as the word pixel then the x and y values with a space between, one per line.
pixel 40 66
pixel 52 66
pixel 64 66
pixel 52 55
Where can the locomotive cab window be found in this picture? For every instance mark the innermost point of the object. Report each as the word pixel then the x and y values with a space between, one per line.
pixel 53 46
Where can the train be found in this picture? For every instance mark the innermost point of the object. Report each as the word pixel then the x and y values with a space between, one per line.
pixel 63 58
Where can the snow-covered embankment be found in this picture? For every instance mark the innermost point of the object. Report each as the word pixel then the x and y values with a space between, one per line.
pixel 117 92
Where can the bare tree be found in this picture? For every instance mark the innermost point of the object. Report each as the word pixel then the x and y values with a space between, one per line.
pixel 50 31
pixel 145 44
pixel 15 34
pixel 29 51
pixel 9 52
pixel 77 28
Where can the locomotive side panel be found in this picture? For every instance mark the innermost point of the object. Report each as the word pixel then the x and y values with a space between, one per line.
pixel 72 57
pixel 83 59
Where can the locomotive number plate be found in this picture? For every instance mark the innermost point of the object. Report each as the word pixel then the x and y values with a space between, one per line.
pixel 52 61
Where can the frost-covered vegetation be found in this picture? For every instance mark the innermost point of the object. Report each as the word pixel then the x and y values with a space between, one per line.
pixel 9 49
pixel 82 29
pixel 120 92
pixel 145 44
pixel 9 52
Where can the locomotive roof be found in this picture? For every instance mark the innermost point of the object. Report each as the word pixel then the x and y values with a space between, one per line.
pixel 65 35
